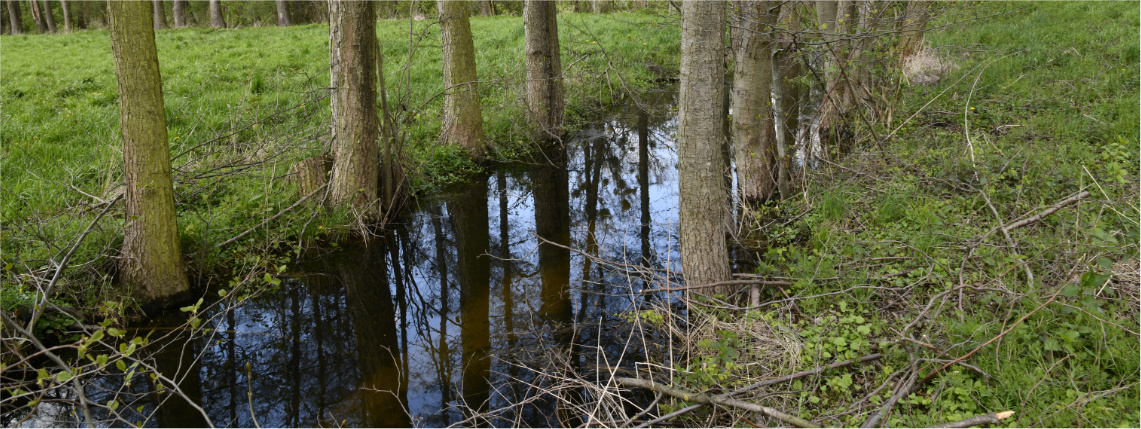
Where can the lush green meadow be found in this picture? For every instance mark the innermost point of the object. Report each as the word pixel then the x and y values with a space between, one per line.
pixel 1041 102
pixel 242 105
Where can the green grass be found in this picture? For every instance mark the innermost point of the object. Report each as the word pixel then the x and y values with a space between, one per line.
pixel 60 137
pixel 1066 76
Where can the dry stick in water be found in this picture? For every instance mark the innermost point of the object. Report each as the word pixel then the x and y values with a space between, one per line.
pixel 719 400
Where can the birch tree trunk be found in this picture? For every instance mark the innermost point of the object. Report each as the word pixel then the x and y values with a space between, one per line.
pixel 462 122
pixel 753 130
pixel 14 18
pixel 216 18
pixel 356 129
pixel 66 16
pixel 179 13
pixel 151 266
pixel 703 208
pixel 159 15
pixel 283 13
pixel 544 67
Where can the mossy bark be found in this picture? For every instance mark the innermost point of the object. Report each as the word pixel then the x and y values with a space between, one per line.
pixel 151 264
pixel 462 121
pixel 356 128
pixel 753 130
pixel 14 19
pixel 703 206
pixel 179 11
pixel 544 68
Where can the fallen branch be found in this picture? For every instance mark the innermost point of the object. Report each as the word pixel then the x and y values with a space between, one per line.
pixel 719 400
pixel 805 373
pixel 1050 210
pixel 992 418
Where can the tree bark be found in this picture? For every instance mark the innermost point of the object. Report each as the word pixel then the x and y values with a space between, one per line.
pixel 49 18
pixel 356 128
pixel 487 8
pixel 462 122
pixel 38 17
pixel 283 13
pixel 703 208
pixel 786 69
pixel 151 266
pixel 914 25
pixel 216 18
pixel 753 129
pixel 14 18
pixel 66 16
pixel 544 67
pixel 179 13
pixel 159 15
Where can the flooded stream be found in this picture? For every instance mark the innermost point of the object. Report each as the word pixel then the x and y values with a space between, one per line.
pixel 462 306
pixel 444 311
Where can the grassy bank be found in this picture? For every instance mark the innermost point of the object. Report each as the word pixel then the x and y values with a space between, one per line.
pixel 242 106
pixel 897 250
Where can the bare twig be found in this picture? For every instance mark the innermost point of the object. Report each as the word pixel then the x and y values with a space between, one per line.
pixel 992 418
pixel 719 400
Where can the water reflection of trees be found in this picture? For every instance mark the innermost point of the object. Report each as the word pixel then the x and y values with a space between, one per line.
pixel 457 305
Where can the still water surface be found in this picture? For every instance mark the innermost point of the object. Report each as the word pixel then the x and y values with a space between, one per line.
pixel 454 305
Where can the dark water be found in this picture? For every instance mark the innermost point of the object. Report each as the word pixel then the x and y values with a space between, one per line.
pixel 457 303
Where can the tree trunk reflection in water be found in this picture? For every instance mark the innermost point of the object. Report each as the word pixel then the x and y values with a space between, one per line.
pixel 469 218
pixel 443 357
pixel 176 360
pixel 369 302
pixel 644 183
pixel 552 223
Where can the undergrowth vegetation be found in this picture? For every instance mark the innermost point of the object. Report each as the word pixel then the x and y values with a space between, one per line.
pixel 242 106
pixel 915 249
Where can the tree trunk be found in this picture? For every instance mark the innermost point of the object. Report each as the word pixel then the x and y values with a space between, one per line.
pixel 753 130
pixel 38 17
pixel 216 18
pixel 66 16
pixel 151 266
pixel 704 255
pixel 356 129
pixel 14 18
pixel 283 13
pixel 462 122
pixel 786 68
pixel 179 13
pixel 544 67
pixel 49 18
pixel 159 15
pixel 914 25
pixel 487 8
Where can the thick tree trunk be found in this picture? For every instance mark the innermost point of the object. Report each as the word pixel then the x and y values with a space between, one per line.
pixel 544 67
pixel 753 130
pixel 487 8
pixel 356 129
pixel 462 122
pixel 179 13
pixel 14 18
pixel 38 17
pixel 151 266
pixel 283 13
pixel 159 15
pixel 49 17
pixel 216 18
pixel 703 208
pixel 66 16
pixel 786 69
pixel 914 25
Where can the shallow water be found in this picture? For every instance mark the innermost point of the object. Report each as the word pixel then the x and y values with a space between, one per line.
pixel 456 303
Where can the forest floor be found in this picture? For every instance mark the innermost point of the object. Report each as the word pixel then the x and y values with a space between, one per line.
pixel 916 249
pixel 242 106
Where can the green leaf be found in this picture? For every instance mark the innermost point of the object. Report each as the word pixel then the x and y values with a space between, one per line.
pixel 63 376
pixel 101 360
pixel 121 365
